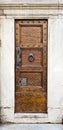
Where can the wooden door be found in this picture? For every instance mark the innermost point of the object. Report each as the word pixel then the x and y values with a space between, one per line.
pixel 31 66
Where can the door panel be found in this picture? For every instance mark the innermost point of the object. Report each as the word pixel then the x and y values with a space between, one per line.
pixel 31 66
pixel 31 54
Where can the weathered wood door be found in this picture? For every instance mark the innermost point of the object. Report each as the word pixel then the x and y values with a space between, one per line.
pixel 31 66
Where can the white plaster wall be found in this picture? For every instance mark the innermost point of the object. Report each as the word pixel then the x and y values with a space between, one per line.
pixel 56 62
pixel 61 1
pixel 55 74
pixel 7 68
pixel 0 70
pixel 0 61
pixel 55 58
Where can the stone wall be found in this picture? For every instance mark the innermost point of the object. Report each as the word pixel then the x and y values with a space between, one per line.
pixel 53 11
pixel 31 1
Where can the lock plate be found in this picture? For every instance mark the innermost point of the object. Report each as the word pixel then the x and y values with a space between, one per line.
pixel 23 81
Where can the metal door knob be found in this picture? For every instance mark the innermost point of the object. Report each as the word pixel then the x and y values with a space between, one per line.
pixel 31 57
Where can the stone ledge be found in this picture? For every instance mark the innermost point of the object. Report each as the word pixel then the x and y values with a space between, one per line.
pixel 31 6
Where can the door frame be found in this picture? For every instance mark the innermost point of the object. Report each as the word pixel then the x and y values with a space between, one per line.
pixel 31 115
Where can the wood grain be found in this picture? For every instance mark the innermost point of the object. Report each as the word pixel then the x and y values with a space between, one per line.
pixel 31 37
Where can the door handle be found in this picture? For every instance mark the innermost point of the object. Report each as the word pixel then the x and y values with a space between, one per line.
pixel 31 57
pixel 18 57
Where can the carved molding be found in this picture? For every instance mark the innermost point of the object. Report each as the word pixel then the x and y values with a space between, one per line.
pixel 31 10
pixel 30 6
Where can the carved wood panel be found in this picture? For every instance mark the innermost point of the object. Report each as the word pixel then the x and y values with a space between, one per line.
pixel 31 66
